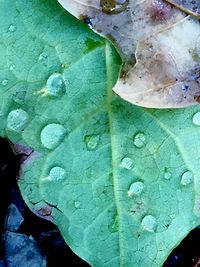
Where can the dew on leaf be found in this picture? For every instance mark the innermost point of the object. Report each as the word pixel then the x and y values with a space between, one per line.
pixel 12 28
pixel 77 204
pixel 55 85
pixel 4 82
pixel 42 56
pixel 135 189
pixel 12 67
pixel 149 223
pixel 196 119
pixel 186 178
pixel 92 141
pixel 57 174
pixel 52 135
pixel 17 120
pixel 126 163
pixel 139 140
pixel 167 174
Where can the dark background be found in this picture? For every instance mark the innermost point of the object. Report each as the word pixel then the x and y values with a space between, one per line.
pixel 46 234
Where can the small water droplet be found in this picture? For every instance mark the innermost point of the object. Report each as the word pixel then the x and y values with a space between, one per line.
pixel 57 174
pixel 196 119
pixel 135 189
pixel 139 140
pixel 12 28
pixel 55 85
pixel 77 204
pixel 126 163
pixel 12 67
pixel 92 141
pixel 43 56
pixel 167 174
pixel 52 135
pixel 4 82
pixel 149 223
pixel 17 120
pixel 186 178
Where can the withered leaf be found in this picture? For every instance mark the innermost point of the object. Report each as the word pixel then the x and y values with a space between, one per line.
pixel 159 44
pixel 191 7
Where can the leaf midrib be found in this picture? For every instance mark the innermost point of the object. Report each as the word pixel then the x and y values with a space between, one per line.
pixel 116 186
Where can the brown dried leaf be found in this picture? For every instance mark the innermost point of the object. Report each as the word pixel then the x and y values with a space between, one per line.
pixel 159 44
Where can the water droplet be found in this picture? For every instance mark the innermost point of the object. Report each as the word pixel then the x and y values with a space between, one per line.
pixel 135 189
pixel 17 120
pixel 92 141
pixel 4 82
pixel 12 67
pixel 52 135
pixel 126 163
pixel 186 178
pixel 167 174
pixel 77 204
pixel 139 140
pixel 56 85
pixel 149 223
pixel 196 119
pixel 43 56
pixel 12 28
pixel 57 174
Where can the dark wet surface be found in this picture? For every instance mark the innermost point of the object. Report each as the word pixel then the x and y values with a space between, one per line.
pixel 46 236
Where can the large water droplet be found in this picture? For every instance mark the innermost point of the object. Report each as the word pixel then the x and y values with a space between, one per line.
pixel 149 223
pixel 52 135
pixel 92 141
pixel 55 85
pixel 57 174
pixel 196 119
pixel 139 140
pixel 4 82
pixel 12 28
pixel 186 178
pixel 126 163
pixel 135 189
pixel 17 120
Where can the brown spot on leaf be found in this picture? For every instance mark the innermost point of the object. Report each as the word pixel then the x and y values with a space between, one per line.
pixel 45 211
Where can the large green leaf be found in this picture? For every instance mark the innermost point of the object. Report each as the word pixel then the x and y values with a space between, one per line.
pixel 121 182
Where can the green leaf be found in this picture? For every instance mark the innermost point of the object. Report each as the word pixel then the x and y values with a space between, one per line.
pixel 120 181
